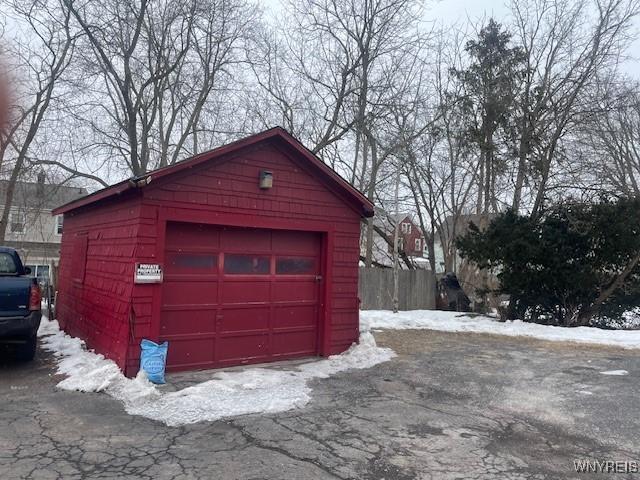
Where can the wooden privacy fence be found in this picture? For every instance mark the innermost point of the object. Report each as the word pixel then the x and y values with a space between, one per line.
pixel 416 290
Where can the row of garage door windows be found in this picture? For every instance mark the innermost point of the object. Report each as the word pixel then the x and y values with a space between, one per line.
pixel 241 264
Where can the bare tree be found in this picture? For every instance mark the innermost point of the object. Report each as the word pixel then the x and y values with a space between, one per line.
pixel 439 168
pixel 206 75
pixel 306 72
pixel 609 139
pixel 38 59
pixel 331 73
pixel 147 71
pixel 566 44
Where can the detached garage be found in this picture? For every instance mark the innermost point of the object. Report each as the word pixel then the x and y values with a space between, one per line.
pixel 244 254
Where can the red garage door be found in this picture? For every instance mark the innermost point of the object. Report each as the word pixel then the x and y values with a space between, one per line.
pixel 232 296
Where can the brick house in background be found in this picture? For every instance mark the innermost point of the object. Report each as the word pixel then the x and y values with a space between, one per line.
pixel 410 240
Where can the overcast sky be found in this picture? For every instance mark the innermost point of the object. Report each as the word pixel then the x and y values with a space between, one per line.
pixel 450 12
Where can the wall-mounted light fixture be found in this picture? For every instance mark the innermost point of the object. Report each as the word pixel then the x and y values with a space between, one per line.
pixel 266 179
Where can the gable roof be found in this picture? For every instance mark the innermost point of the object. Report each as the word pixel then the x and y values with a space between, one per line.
pixel 388 221
pixel 42 196
pixel 327 174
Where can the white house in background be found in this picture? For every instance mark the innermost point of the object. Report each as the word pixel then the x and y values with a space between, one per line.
pixel 31 229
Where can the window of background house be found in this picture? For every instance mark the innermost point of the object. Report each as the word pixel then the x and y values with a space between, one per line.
pixel 42 273
pixel 16 222
pixel 59 220
pixel 406 228
pixel 418 244
pixel 401 244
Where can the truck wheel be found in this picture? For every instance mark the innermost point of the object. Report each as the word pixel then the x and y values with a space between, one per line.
pixel 27 351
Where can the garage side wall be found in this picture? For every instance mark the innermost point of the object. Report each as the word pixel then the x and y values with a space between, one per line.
pixel 96 275
pixel 227 193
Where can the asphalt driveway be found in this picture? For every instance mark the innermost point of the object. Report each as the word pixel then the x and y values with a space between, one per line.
pixel 450 406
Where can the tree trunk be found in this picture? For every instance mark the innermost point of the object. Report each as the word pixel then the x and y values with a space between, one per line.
pixel 431 248
pixel 487 182
pixel 370 195
pixel 480 186
pixel 8 202
pixel 587 313
pixel 396 265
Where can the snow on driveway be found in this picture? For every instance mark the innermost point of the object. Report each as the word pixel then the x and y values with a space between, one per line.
pixel 270 390
pixel 457 322
pixel 227 394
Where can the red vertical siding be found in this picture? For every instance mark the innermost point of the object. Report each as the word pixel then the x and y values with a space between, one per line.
pixel 150 250
pixel 97 308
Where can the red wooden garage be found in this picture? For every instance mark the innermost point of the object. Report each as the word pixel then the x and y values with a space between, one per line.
pixel 247 253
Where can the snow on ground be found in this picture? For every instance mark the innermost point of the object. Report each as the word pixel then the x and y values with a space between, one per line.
pixel 270 390
pixel 227 394
pixel 457 322
pixel 631 319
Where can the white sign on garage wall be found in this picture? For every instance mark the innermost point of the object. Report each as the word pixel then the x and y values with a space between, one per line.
pixel 148 273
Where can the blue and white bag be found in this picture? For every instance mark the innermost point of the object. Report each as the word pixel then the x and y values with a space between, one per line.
pixel 153 360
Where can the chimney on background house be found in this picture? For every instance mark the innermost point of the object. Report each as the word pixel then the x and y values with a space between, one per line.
pixel 40 185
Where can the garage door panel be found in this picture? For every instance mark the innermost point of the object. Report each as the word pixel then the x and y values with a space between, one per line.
pixel 192 262
pixel 189 292
pixel 294 343
pixel 245 240
pixel 247 264
pixel 295 316
pixel 242 347
pixel 296 265
pixel 250 294
pixel 289 291
pixel 288 242
pixel 244 319
pixel 190 351
pixel 180 235
pixel 179 322
pixel 249 291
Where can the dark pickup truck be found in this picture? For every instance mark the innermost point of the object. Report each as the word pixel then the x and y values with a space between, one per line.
pixel 20 300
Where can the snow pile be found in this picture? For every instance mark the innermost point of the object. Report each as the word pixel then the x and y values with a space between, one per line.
pixel 86 371
pixel 255 390
pixel 458 322
pixel 631 319
pixel 227 394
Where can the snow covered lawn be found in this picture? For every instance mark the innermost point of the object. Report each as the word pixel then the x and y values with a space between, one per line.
pixel 458 322
pixel 227 394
